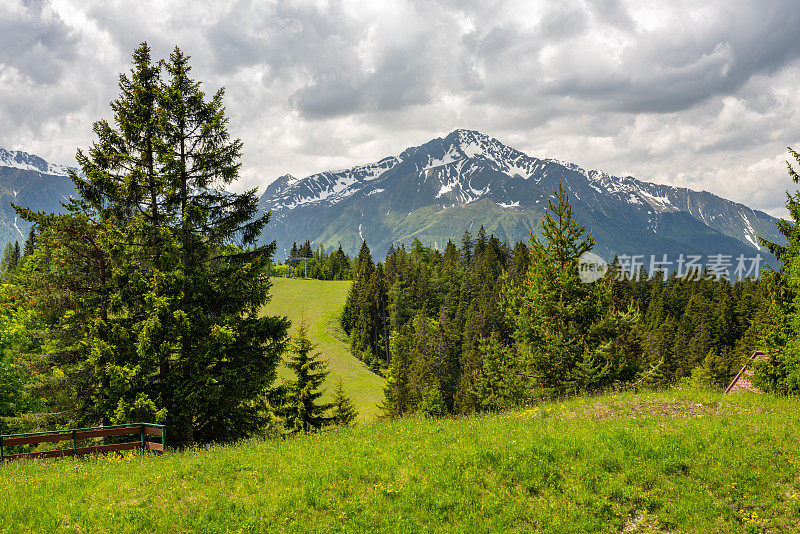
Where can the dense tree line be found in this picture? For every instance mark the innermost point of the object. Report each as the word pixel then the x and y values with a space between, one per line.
pixel 321 265
pixel 483 325
pixel 703 327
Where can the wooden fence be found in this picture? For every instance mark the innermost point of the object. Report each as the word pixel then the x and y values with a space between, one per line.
pixel 144 431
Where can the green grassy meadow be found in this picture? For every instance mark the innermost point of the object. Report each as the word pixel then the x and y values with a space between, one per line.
pixel 321 302
pixel 679 461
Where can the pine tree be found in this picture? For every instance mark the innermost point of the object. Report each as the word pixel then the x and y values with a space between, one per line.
pixel 467 246
pixel 305 250
pixel 450 256
pixel 432 402
pixel 30 243
pixel 397 391
pixel 480 241
pixel 522 260
pixel 364 266
pixel 365 316
pixel 337 265
pixel 344 411
pixel 501 382
pixel 566 330
pixel 10 259
pixel 296 400
pixel 782 336
pixel 171 326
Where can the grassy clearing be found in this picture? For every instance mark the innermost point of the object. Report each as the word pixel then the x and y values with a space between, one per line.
pixel 678 461
pixel 321 302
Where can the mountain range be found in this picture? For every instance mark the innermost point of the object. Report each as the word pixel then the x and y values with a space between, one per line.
pixel 28 180
pixel 442 188
pixel 436 191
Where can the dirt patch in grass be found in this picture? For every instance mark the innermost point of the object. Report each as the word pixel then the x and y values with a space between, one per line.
pixel 635 406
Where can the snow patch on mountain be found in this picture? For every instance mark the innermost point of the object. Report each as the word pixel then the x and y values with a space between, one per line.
pixel 330 186
pixel 749 233
pixel 626 189
pixel 446 188
pixel 466 166
pixel 17 159
pixel 449 157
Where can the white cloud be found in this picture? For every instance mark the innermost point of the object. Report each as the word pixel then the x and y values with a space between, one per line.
pixel 702 95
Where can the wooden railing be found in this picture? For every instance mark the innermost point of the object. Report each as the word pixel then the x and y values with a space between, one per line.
pixel 144 431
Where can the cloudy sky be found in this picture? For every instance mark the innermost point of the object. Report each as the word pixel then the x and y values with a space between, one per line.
pixel 698 94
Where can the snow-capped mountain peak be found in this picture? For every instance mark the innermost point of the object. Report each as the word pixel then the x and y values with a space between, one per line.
pixel 328 186
pixel 465 167
pixel 30 181
pixel 471 144
pixel 17 159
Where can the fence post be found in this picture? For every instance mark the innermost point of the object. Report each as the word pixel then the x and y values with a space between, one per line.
pixel 1 449
pixel 74 444
pixel 163 439
pixel 141 435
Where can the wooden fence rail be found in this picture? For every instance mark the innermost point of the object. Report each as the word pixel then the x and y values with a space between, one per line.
pixel 145 431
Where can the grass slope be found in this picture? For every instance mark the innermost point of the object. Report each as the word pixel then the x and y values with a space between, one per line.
pixel 660 462
pixel 321 303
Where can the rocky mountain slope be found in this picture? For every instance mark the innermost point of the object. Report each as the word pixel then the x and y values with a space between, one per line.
pixel 436 191
pixel 28 180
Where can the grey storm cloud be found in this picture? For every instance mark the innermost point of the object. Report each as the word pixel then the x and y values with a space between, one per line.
pixel 696 94
pixel 35 45
pixel 678 67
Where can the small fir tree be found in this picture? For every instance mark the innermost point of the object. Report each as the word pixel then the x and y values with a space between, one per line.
pixel 297 400
pixel 10 259
pixel 500 383
pixel 397 391
pixel 432 403
pixel 344 411
pixel 30 243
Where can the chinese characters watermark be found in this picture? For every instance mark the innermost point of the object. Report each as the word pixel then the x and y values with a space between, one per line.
pixel 716 267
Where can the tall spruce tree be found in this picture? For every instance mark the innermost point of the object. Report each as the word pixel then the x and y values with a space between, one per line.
pixel 365 316
pixel 480 241
pixel 467 245
pixel 174 332
pixel 397 391
pixel 566 331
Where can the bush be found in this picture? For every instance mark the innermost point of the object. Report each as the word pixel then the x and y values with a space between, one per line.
pixel 432 403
